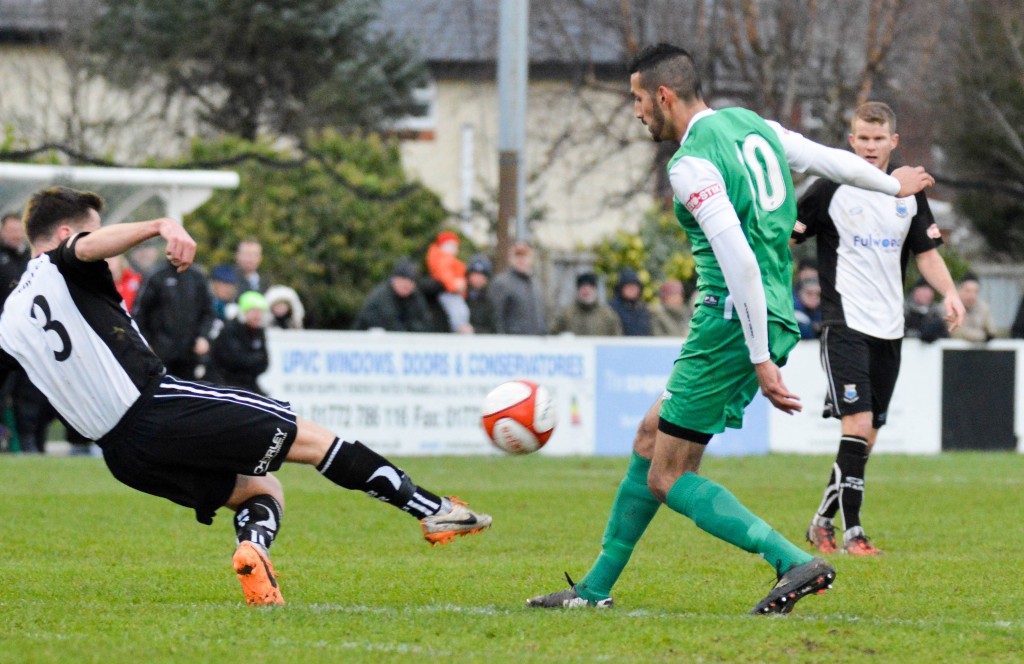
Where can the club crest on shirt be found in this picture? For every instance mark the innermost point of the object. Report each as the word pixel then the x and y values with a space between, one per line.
pixel 850 393
pixel 901 208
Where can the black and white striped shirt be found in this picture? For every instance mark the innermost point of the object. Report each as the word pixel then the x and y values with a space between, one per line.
pixel 66 325
pixel 864 241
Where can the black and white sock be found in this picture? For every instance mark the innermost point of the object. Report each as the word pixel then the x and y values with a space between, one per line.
pixel 852 461
pixel 258 520
pixel 355 466
pixel 830 499
pixel 845 488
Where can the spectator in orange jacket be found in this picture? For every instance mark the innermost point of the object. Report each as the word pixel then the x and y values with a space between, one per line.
pixel 444 265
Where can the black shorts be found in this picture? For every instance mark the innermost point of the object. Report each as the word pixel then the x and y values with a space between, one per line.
pixel 861 371
pixel 190 440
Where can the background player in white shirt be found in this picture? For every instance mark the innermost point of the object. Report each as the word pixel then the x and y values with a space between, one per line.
pixel 864 240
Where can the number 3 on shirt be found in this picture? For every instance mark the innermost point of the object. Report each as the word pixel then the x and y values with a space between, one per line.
pixel 49 325
pixel 766 171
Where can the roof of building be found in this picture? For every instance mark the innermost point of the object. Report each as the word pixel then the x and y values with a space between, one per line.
pixel 445 31
pixel 466 31
pixel 26 19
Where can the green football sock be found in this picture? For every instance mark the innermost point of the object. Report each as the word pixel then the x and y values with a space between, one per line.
pixel 716 511
pixel 633 509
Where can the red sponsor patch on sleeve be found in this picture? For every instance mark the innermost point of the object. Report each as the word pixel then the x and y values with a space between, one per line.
pixel 934 232
pixel 697 198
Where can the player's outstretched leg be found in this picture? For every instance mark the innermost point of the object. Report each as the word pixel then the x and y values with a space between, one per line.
pixel 355 466
pixel 256 524
pixel 457 521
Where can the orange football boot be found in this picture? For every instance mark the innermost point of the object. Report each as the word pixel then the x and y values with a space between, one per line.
pixel 256 574
pixel 459 522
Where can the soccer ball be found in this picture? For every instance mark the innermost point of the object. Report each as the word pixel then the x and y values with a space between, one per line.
pixel 519 416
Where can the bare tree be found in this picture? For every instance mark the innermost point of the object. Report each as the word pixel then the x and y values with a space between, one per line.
pixel 983 125
pixel 806 63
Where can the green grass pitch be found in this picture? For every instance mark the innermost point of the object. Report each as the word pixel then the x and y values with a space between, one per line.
pixel 93 571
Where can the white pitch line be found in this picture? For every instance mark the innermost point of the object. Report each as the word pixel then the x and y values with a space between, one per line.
pixel 646 614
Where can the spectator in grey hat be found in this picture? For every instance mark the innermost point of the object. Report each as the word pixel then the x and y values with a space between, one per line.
pixel 396 304
pixel 481 310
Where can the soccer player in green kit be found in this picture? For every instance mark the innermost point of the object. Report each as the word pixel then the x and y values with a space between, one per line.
pixel 734 197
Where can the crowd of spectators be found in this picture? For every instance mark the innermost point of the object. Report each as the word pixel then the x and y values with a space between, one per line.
pixel 213 327
pixel 467 298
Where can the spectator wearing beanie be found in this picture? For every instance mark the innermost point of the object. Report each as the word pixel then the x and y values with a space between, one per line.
pixel 240 350
pixel 629 305
pixel 396 304
pixel 586 315
pixel 224 285
pixel 481 310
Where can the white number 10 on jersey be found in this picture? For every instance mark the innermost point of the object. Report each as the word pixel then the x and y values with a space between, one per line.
pixel 764 167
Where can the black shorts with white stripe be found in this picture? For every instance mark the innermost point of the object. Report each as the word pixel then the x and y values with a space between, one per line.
pixel 191 439
pixel 861 371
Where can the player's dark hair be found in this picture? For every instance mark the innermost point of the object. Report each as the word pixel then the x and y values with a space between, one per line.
pixel 49 208
pixel 668 65
pixel 875 112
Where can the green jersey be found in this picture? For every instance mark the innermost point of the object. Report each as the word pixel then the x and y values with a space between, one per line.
pixel 749 159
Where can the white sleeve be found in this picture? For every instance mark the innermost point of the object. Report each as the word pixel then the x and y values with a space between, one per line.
pixel 806 156
pixel 699 185
pixel 743 276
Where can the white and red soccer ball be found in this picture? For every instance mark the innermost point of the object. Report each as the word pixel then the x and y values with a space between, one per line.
pixel 519 416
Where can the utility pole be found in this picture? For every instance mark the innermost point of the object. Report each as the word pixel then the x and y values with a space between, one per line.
pixel 512 78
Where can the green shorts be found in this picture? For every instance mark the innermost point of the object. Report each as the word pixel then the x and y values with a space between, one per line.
pixel 713 381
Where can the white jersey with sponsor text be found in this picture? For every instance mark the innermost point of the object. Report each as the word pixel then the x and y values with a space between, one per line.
pixel 864 241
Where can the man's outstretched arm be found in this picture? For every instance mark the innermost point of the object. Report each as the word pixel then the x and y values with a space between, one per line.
pixel 118 238
pixel 806 156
